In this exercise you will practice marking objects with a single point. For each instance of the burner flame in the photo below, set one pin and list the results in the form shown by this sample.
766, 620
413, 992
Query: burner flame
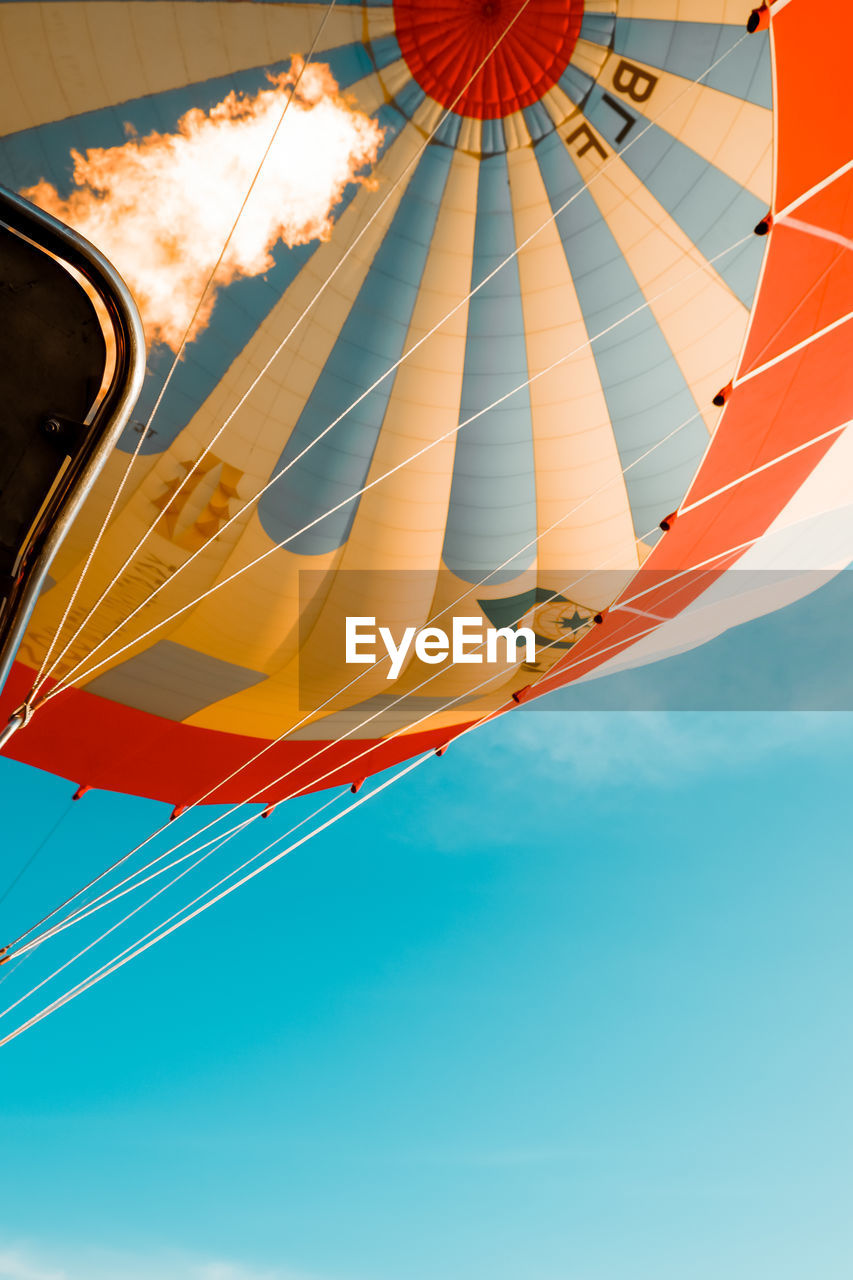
161, 207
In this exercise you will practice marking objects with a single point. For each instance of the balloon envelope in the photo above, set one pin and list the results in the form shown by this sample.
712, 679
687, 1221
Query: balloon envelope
490, 345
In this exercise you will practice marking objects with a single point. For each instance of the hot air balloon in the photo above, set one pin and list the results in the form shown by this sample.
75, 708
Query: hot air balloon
538, 313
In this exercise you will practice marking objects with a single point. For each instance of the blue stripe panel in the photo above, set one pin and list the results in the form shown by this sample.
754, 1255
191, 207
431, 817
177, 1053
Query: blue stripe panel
598, 28
688, 49
371, 340
646, 394
409, 98
385, 50
348, 63
576, 84
449, 129
493, 495
539, 123
173, 681
44, 152
492, 138
709, 206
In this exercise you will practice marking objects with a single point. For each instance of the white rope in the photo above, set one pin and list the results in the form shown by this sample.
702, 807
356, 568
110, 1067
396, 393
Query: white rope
518, 249
361, 675
44, 674
453, 431
790, 351
266, 367
132, 882
828, 181
153, 936
76, 917
212, 888
270, 745
137, 949
149, 940
82, 913
414, 764
803, 299
749, 475
140, 907
721, 555
704, 568
812, 229
622, 643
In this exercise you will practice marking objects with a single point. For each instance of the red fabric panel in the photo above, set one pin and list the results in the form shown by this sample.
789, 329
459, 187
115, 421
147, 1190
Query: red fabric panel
808, 281
779, 409
103, 744
812, 44
796, 400
445, 41
658, 593
807, 284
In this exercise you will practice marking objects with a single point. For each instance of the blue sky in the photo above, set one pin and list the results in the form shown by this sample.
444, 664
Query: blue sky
571, 1003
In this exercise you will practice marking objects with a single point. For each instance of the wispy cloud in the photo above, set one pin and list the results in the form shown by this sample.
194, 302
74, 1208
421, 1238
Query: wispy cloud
27, 1261
664, 749
16, 1264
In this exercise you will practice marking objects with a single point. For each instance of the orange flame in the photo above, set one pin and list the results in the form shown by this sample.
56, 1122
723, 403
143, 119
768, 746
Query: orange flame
161, 207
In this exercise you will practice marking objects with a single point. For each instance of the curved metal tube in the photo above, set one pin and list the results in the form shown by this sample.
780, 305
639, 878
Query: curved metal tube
111, 415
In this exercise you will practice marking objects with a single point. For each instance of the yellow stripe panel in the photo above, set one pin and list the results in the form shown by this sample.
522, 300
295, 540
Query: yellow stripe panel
395, 77
573, 439
559, 105
61, 59
516, 131
378, 22
470, 135
735, 12
589, 57
249, 622
733, 135
260, 430
702, 320
399, 524
428, 114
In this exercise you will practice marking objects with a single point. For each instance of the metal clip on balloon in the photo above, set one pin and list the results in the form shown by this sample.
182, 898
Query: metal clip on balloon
16, 721
759, 19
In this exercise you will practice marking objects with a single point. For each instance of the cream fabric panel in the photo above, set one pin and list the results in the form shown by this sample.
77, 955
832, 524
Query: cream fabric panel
734, 135
61, 59
573, 439
702, 320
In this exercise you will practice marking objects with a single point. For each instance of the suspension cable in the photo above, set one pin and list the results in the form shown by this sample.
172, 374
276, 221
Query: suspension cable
519, 248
